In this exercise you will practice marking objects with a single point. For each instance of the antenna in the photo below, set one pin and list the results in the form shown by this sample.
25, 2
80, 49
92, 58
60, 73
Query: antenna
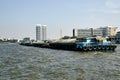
60, 33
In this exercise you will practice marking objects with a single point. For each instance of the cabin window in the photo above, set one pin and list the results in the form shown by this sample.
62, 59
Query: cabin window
94, 40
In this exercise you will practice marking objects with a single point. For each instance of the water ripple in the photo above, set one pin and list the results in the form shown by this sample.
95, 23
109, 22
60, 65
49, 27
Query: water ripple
30, 63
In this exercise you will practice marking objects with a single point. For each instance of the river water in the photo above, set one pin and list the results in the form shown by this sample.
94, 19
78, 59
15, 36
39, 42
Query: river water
19, 62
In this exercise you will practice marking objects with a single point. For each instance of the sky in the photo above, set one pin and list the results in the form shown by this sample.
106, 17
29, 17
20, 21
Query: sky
18, 18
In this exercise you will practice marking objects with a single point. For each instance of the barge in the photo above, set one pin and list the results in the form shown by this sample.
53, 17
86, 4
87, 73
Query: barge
79, 44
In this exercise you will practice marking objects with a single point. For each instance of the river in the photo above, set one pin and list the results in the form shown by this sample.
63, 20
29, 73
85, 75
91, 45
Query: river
19, 62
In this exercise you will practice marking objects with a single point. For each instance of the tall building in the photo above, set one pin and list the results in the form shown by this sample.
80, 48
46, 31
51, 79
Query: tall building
38, 32
41, 32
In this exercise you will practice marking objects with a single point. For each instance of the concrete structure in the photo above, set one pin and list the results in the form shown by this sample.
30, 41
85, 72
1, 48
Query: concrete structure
38, 32
105, 31
118, 34
117, 37
41, 32
102, 31
87, 32
108, 30
82, 33
112, 30
97, 32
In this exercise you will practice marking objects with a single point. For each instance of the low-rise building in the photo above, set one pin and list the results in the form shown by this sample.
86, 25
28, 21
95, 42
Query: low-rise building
87, 32
102, 31
118, 37
108, 30
97, 32
118, 34
82, 32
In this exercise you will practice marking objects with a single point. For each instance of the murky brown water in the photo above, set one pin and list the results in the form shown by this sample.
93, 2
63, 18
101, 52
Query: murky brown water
30, 63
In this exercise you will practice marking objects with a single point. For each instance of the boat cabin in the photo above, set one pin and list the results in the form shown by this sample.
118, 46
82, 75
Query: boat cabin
91, 41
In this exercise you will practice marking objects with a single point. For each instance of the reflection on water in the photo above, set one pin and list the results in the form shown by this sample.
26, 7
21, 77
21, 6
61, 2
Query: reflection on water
30, 63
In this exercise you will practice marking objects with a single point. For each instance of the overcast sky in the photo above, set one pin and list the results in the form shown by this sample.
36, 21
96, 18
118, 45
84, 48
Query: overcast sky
18, 18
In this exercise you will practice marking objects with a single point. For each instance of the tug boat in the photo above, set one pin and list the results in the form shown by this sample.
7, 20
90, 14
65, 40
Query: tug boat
94, 43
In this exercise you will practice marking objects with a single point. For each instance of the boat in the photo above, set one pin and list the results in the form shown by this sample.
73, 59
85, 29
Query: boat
77, 44
85, 44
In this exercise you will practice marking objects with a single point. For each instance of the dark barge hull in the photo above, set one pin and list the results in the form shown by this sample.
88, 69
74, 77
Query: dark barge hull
41, 45
72, 46
98, 48
63, 46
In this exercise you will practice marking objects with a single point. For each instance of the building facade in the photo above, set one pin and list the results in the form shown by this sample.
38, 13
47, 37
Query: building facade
118, 34
112, 30
41, 32
97, 32
116, 38
87, 32
82, 33
38, 32
108, 30
102, 31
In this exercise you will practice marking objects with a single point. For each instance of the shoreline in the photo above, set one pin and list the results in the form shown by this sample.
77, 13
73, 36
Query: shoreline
5, 42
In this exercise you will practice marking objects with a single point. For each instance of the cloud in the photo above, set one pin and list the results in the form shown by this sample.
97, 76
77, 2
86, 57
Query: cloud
92, 17
115, 11
108, 7
112, 6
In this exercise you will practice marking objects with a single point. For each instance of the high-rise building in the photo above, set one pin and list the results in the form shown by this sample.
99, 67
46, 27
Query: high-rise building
38, 32
41, 32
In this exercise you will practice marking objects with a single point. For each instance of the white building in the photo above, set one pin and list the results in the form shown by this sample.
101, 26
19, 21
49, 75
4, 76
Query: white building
40, 32
108, 30
97, 32
43, 32
102, 31
82, 32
